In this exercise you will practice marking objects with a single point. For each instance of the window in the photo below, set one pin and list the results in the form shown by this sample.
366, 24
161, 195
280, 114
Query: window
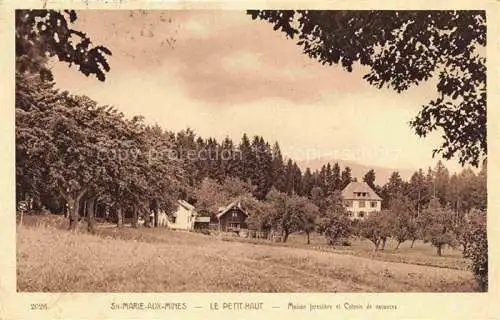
348, 203
373, 204
361, 203
361, 214
234, 214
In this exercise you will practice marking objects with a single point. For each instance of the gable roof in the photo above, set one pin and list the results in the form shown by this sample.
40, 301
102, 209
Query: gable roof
354, 187
186, 205
232, 205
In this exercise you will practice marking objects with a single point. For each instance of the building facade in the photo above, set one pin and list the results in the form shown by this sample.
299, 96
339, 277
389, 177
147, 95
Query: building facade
232, 217
360, 200
186, 218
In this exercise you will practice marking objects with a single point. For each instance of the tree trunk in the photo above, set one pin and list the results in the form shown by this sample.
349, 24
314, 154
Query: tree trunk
308, 238
21, 214
412, 242
134, 216
397, 247
75, 210
119, 217
439, 250
270, 234
465, 248
84, 209
73, 213
384, 239
66, 209
91, 204
147, 220
155, 217
285, 237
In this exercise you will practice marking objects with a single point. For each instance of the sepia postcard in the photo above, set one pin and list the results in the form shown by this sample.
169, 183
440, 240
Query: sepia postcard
208, 160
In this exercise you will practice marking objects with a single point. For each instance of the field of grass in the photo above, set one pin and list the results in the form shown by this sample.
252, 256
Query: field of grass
421, 253
160, 260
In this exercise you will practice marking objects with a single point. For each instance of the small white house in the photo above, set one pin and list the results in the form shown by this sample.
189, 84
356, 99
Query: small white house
185, 217
360, 200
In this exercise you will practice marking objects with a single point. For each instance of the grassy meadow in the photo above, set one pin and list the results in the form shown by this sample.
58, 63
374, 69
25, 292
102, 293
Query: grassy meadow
52, 259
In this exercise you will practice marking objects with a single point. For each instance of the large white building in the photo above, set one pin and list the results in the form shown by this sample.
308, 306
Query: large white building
360, 200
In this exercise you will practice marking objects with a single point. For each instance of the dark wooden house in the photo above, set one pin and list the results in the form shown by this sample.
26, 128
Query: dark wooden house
232, 217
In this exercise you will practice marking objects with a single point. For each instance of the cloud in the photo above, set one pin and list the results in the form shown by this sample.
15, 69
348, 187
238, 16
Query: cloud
248, 61
227, 74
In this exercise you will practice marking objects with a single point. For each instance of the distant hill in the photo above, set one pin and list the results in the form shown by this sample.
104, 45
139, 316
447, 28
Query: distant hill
382, 174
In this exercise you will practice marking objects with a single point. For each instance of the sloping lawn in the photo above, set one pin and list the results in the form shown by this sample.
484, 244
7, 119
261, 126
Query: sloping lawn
159, 260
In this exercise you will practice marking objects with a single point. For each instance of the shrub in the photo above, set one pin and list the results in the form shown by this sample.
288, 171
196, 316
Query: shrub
335, 226
477, 250
437, 226
375, 228
203, 231
345, 243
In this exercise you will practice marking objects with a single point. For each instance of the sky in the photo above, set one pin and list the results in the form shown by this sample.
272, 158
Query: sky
221, 74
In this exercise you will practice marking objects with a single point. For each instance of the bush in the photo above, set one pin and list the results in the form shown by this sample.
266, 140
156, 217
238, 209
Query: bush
346, 243
375, 228
477, 251
203, 231
335, 227
437, 225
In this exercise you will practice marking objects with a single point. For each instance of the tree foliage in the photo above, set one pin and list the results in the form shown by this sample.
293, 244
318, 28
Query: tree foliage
403, 49
402, 220
369, 178
477, 250
334, 222
211, 195
375, 228
41, 34
438, 226
71, 148
292, 213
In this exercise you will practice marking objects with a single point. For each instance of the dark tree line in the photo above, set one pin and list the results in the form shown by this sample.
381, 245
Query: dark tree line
257, 162
72, 155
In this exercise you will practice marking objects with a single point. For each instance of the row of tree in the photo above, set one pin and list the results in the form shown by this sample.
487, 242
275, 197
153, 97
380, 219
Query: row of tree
70, 153
254, 161
461, 191
69, 148
403, 219
284, 214
73, 155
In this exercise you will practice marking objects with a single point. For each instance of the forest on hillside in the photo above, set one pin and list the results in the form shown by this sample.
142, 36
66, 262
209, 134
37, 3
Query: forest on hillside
69, 144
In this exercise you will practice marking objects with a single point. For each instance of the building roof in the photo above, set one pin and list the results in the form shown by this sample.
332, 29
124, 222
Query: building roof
232, 205
349, 192
186, 205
